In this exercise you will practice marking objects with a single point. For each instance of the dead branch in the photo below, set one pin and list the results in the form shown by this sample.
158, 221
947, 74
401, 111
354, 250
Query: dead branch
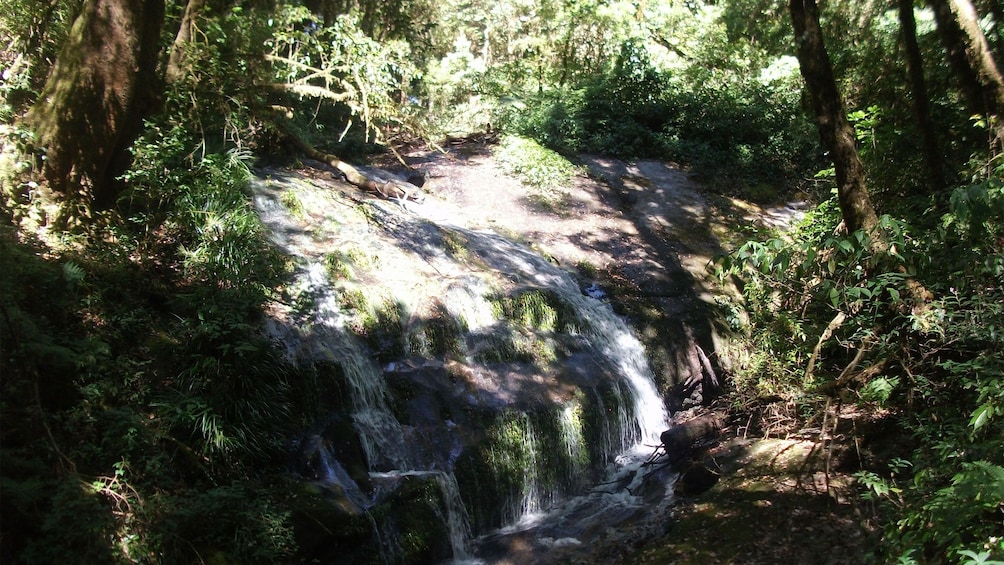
385, 188
835, 323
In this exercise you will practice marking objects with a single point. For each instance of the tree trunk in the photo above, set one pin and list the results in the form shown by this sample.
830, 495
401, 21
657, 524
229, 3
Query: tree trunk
997, 12
980, 56
679, 440
953, 40
838, 136
94, 101
388, 188
921, 104
176, 61
836, 132
971, 58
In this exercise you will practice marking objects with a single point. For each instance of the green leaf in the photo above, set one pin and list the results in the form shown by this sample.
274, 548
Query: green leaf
981, 416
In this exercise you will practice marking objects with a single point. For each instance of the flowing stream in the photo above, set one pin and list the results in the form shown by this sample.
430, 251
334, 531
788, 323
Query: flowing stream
531, 422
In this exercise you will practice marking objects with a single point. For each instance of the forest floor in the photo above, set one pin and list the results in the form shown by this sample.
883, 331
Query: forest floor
779, 499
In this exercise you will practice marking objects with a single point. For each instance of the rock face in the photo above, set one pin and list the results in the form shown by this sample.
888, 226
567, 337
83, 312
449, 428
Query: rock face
459, 374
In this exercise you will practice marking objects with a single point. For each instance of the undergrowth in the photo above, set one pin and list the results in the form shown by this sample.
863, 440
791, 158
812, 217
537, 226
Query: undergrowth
140, 403
829, 318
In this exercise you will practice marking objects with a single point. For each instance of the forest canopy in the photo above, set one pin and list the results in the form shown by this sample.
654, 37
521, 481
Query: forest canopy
137, 399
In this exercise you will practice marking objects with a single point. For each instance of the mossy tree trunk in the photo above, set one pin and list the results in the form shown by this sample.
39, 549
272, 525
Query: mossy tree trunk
831, 118
102, 86
971, 59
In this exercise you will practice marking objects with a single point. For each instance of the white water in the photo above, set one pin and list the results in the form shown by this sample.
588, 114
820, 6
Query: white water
379, 431
621, 351
630, 434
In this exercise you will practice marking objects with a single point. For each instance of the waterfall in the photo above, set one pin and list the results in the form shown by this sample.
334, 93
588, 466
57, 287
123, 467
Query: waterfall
512, 441
326, 339
570, 424
456, 515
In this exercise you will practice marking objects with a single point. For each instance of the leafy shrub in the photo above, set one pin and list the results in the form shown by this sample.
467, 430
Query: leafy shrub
736, 133
546, 173
833, 318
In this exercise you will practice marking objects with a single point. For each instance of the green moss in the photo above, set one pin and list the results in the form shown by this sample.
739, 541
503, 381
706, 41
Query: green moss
537, 310
415, 515
531, 327
383, 331
344, 263
292, 202
352, 299
455, 244
438, 336
338, 266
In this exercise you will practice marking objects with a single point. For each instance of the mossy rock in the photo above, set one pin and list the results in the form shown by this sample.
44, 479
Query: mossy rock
330, 528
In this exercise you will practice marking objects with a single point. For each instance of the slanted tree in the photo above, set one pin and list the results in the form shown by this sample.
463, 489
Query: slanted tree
839, 138
835, 130
971, 58
102, 85
176, 64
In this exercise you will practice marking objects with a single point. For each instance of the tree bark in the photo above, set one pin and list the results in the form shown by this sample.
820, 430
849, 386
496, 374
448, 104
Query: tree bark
971, 58
679, 440
933, 158
92, 106
176, 61
953, 40
831, 118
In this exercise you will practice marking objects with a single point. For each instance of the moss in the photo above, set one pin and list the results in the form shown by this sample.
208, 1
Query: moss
338, 266
455, 244
438, 336
533, 323
415, 516
292, 202
587, 269
344, 263
383, 331
353, 300
524, 457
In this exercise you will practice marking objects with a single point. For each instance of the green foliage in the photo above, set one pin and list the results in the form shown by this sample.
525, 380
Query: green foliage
547, 174
735, 132
31, 34
226, 524
219, 94
339, 64
156, 378
832, 300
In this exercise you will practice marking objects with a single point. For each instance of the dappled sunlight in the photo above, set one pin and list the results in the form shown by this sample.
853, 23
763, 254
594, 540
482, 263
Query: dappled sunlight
461, 351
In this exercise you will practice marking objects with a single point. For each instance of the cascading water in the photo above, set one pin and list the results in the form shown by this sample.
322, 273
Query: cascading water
499, 431
327, 339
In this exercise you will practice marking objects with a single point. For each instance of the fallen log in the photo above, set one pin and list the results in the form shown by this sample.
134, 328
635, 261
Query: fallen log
680, 441
391, 189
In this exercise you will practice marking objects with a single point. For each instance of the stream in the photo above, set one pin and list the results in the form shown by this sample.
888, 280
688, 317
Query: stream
482, 405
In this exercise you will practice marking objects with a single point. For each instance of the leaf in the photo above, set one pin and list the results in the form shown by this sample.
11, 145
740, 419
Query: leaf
981, 416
